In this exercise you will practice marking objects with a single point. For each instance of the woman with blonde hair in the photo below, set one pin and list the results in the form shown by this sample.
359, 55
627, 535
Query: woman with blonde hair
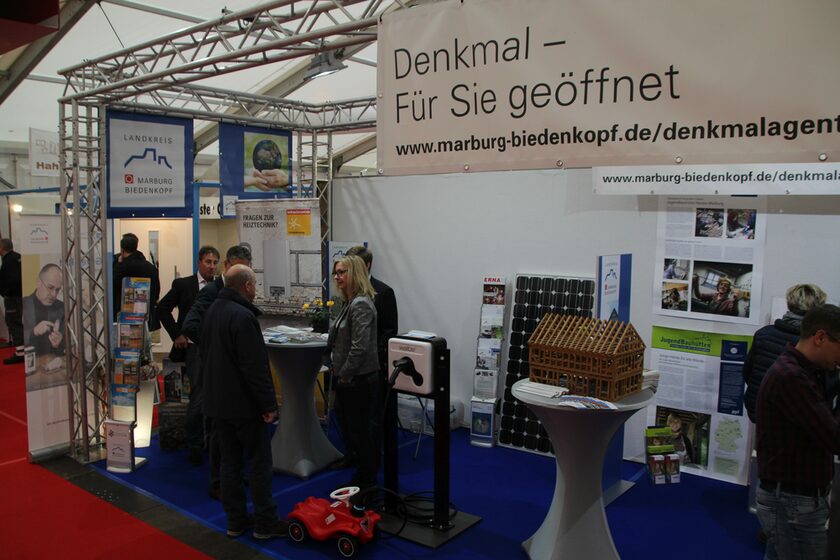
770, 341
355, 362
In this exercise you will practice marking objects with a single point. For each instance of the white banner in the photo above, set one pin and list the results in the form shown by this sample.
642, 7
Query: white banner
43, 153
765, 178
495, 84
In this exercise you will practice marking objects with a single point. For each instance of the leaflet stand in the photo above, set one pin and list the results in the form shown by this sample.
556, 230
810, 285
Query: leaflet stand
421, 367
120, 447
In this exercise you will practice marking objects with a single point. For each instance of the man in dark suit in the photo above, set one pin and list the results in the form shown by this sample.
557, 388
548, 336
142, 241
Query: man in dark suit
131, 263
191, 328
386, 328
182, 295
12, 292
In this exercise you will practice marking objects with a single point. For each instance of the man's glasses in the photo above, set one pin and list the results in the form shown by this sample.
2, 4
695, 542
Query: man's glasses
339, 272
831, 337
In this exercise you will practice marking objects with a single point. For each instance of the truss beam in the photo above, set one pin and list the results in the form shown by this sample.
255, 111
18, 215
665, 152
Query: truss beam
262, 35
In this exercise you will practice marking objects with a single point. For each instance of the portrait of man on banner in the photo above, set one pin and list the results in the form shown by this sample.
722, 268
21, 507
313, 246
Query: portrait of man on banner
44, 329
255, 162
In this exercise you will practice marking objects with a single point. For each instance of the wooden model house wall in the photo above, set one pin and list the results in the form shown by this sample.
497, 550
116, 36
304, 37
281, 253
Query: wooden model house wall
602, 359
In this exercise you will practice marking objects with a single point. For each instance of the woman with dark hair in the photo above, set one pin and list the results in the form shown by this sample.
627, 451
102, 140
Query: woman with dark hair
355, 361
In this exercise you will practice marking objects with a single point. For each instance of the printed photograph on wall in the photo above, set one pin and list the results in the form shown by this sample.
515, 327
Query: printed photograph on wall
689, 433
708, 222
721, 288
740, 223
675, 269
675, 296
255, 162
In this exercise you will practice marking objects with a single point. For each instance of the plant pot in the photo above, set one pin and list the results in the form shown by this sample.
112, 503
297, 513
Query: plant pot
321, 325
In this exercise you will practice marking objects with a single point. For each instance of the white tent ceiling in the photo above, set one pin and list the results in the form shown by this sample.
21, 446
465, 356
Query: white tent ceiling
111, 25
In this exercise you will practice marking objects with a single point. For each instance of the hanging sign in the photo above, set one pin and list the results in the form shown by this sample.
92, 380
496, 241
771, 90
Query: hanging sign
150, 169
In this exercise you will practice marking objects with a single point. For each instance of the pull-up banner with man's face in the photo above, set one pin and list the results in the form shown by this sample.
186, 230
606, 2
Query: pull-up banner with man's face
496, 85
44, 331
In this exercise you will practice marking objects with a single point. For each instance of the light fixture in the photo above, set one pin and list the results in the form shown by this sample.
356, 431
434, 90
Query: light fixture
17, 208
322, 64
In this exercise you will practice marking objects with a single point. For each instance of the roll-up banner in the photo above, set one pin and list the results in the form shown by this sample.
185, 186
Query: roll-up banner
44, 335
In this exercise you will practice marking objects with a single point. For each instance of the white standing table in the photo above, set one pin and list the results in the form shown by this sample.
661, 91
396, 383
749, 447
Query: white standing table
299, 446
576, 526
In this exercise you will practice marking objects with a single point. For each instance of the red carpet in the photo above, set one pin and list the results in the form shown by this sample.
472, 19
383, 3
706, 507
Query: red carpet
43, 515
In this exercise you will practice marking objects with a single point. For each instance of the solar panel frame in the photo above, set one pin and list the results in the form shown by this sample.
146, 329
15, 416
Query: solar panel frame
534, 296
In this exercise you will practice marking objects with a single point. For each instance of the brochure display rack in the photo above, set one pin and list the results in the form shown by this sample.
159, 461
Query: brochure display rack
488, 361
133, 380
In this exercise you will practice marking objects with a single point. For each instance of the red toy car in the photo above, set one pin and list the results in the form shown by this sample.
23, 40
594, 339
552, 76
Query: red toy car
321, 519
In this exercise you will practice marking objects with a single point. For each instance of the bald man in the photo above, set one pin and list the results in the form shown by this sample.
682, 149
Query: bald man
239, 397
43, 313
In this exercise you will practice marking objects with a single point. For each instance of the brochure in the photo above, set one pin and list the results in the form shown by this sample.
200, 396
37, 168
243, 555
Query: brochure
123, 395
126, 366
135, 295
492, 321
130, 330
485, 383
488, 353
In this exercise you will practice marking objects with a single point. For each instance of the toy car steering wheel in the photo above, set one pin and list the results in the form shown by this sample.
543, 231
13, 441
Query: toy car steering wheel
344, 494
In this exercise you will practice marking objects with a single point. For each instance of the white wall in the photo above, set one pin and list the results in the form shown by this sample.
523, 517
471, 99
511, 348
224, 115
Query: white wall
435, 236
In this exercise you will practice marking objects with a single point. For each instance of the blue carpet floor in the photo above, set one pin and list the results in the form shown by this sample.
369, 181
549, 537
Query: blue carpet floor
510, 490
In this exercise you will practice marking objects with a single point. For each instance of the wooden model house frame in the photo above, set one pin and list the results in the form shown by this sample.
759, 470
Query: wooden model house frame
591, 357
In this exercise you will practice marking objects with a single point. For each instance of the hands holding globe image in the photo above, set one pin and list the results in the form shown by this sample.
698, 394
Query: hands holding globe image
270, 171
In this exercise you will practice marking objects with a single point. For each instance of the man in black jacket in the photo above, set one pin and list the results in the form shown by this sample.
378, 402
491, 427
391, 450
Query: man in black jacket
182, 295
239, 396
191, 329
12, 292
131, 263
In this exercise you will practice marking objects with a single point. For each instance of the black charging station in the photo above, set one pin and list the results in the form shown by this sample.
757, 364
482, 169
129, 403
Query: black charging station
420, 366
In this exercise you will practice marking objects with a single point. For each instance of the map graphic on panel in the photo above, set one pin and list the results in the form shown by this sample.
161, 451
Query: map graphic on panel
534, 296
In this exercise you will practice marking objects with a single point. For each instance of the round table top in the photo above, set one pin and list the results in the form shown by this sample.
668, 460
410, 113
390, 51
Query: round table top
630, 402
297, 344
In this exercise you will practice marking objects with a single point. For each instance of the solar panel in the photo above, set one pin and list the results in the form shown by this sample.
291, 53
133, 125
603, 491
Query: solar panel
534, 296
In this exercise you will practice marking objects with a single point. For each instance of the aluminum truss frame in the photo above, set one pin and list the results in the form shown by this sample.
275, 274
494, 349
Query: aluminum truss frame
156, 77
83, 247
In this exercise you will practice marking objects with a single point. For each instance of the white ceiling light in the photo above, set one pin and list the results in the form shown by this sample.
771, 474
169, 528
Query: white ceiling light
17, 208
323, 64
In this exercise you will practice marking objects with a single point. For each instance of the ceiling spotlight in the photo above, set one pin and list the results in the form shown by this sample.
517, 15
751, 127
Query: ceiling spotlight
323, 64
17, 208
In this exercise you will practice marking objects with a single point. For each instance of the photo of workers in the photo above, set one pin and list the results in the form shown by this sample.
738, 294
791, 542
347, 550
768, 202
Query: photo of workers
675, 296
740, 223
721, 288
689, 434
708, 222
675, 269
